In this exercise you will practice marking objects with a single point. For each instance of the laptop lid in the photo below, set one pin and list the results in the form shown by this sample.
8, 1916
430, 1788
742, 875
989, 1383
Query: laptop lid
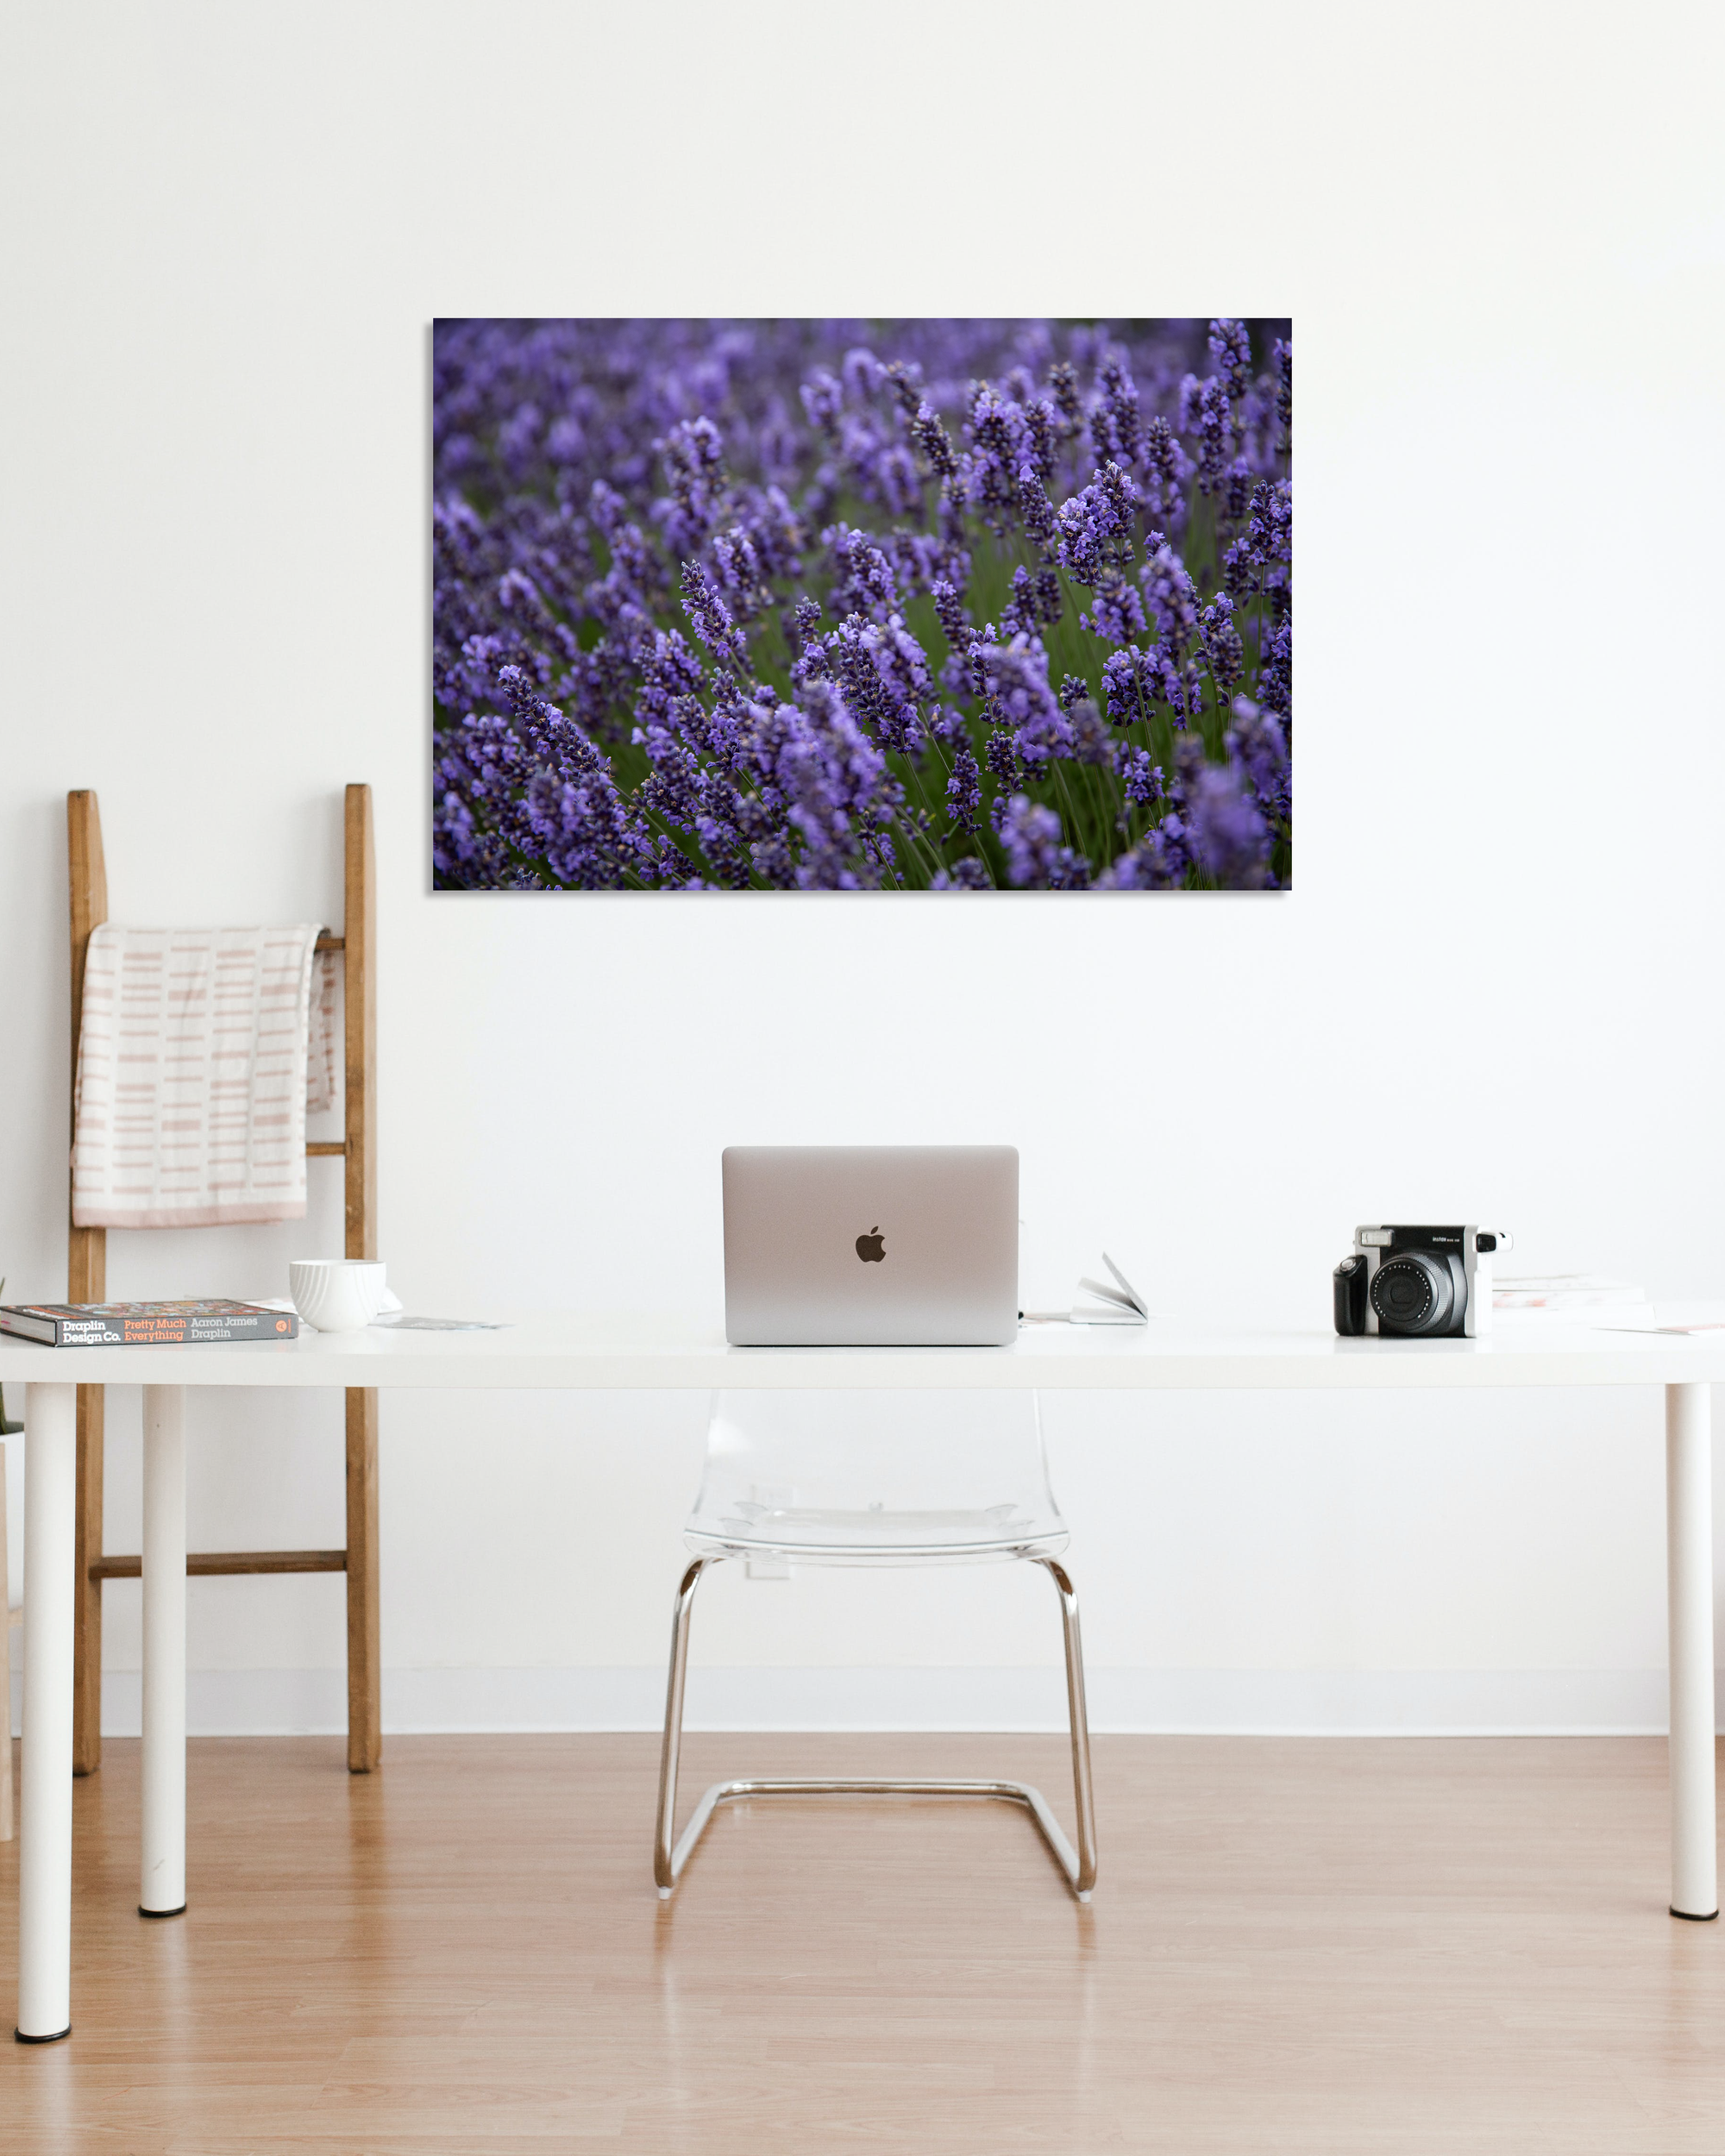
871, 1246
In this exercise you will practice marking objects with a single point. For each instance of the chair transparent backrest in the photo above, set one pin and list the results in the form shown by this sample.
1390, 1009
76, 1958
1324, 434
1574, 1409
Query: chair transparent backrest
876, 1476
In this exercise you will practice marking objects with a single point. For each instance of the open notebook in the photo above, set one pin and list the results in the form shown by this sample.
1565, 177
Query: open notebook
1118, 1305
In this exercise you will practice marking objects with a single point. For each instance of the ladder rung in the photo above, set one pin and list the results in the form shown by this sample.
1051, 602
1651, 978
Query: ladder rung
323, 1148
331, 943
230, 1561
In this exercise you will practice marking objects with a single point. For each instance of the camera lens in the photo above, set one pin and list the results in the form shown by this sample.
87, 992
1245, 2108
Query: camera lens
1413, 1293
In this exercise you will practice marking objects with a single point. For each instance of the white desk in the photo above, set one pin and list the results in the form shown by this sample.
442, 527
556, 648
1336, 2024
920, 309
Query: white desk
660, 1355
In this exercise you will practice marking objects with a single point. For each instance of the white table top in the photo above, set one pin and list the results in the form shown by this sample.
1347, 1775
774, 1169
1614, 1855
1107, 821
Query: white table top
633, 1351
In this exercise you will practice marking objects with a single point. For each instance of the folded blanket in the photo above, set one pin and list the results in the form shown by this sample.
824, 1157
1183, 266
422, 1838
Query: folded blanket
190, 1093
320, 1047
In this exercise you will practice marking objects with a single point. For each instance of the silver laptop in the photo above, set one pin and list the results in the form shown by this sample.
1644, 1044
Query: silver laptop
871, 1246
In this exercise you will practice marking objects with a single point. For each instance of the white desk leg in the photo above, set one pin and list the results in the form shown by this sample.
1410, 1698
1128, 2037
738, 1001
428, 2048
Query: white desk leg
1689, 1581
162, 1892
45, 1838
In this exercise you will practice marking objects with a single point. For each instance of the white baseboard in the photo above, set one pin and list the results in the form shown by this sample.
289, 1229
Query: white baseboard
1358, 1703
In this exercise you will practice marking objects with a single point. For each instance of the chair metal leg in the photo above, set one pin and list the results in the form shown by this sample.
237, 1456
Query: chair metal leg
1079, 1722
1079, 1866
665, 1865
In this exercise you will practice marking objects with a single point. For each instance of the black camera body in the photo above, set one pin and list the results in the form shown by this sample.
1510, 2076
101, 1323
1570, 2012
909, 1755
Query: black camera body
1418, 1283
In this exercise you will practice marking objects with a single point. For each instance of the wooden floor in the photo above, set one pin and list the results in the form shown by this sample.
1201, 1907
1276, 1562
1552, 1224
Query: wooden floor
1325, 1946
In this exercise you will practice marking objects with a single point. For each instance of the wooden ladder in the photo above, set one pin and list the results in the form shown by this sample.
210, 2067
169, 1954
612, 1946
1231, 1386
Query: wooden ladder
87, 1282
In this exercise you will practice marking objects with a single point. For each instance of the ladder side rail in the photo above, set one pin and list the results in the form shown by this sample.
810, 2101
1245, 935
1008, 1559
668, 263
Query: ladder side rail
86, 1282
358, 937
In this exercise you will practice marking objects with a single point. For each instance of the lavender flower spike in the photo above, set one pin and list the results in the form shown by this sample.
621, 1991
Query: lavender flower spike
1036, 860
1231, 349
711, 620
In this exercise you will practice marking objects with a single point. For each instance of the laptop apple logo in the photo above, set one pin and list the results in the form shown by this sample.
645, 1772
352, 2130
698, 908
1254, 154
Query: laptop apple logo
871, 1248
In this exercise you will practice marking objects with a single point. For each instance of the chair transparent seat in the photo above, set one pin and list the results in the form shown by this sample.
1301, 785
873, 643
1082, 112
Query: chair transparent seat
914, 1478
876, 1478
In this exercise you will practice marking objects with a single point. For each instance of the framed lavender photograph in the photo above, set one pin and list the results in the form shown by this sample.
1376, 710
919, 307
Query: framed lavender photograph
925, 605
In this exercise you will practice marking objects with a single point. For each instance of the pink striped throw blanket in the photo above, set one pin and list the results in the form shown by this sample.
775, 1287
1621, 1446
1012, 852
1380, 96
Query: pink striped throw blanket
192, 1076
320, 1047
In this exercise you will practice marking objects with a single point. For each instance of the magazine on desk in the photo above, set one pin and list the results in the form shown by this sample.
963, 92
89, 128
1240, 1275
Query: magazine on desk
144, 1324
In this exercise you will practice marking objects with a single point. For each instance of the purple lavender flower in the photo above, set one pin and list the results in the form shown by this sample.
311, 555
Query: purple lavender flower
1158, 862
831, 779
932, 438
1018, 616
968, 874
1001, 754
1140, 778
824, 400
1272, 522
807, 614
1165, 471
694, 456
903, 377
1091, 741
1255, 736
1229, 837
863, 372
864, 582
1000, 447
1240, 565
1036, 860
1095, 527
1223, 650
569, 813
949, 609
1041, 431
964, 789
1116, 425
1116, 612
739, 573
1172, 598
1035, 507
880, 466
671, 673
884, 670
1204, 411
711, 619
1014, 683
1231, 349
1275, 677
1125, 688
775, 529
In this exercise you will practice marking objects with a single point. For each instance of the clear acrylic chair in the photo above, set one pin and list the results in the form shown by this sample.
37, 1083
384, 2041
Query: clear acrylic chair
881, 1479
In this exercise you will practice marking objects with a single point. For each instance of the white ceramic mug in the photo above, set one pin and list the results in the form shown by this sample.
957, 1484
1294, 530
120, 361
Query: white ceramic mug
337, 1294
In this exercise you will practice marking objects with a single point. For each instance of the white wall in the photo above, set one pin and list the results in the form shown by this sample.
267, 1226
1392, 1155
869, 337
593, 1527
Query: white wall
1491, 993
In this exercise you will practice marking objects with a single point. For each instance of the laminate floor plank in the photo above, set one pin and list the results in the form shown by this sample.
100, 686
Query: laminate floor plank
1445, 1948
